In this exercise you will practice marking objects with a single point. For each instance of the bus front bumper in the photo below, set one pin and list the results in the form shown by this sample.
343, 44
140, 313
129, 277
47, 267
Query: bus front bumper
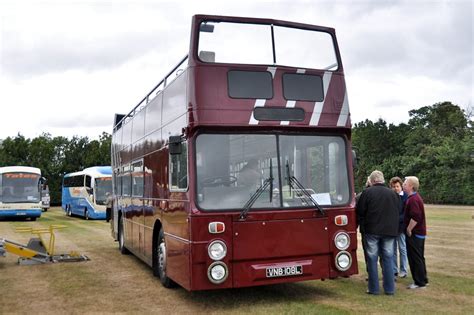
20, 213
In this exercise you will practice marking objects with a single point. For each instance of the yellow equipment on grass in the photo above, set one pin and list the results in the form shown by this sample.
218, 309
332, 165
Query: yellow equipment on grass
38, 251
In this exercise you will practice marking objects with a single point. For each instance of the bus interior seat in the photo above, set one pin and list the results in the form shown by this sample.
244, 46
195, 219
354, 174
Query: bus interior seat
207, 56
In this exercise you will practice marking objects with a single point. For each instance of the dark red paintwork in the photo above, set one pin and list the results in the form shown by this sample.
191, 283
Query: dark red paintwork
198, 100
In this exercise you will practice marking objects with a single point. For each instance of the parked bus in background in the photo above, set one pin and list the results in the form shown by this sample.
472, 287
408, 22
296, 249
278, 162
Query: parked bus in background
20, 188
45, 198
85, 193
236, 169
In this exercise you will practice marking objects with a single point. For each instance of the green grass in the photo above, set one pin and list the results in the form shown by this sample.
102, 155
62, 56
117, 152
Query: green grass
111, 282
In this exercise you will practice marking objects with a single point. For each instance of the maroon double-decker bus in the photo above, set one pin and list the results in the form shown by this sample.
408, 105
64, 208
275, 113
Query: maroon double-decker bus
236, 169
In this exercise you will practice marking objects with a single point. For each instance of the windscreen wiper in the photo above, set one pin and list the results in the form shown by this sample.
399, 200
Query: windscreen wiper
293, 182
267, 182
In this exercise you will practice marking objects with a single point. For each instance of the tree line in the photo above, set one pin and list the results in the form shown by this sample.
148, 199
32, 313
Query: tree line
55, 156
436, 145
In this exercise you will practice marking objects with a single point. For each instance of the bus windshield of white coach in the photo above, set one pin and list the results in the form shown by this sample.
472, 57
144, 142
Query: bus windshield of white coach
19, 187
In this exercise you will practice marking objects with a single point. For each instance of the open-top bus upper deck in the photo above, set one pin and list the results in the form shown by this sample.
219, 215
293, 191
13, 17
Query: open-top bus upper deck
257, 71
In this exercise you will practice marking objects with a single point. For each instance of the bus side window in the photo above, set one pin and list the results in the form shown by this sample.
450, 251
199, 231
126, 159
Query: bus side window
88, 184
88, 181
117, 190
126, 189
119, 186
179, 169
137, 179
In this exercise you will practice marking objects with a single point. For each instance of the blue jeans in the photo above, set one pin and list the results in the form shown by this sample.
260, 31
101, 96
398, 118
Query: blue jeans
402, 248
375, 246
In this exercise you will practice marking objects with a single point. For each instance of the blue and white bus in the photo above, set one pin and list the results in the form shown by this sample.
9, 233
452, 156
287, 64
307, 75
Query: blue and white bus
20, 188
85, 193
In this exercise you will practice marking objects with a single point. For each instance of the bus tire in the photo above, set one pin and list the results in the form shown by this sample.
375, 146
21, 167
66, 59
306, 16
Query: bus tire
68, 211
121, 238
159, 265
86, 214
33, 218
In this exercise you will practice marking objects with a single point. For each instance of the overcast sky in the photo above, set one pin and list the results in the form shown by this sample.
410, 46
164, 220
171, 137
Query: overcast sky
67, 66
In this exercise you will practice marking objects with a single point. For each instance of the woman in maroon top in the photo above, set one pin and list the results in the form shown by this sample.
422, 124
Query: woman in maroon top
415, 233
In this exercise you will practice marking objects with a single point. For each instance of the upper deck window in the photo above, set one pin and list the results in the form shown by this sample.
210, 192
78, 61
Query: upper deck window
236, 43
250, 84
242, 43
303, 87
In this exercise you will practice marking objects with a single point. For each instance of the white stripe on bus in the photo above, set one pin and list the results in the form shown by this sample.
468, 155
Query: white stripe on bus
261, 102
341, 122
318, 106
291, 104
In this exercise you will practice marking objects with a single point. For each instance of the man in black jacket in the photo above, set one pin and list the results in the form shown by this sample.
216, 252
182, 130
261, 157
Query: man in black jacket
377, 216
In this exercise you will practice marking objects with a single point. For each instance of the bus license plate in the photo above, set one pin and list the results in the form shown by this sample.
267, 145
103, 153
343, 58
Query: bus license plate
284, 271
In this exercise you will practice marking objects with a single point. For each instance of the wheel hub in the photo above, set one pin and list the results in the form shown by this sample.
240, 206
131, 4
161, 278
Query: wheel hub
162, 257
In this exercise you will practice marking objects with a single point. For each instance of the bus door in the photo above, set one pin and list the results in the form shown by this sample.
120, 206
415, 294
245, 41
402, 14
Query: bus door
138, 228
89, 195
126, 206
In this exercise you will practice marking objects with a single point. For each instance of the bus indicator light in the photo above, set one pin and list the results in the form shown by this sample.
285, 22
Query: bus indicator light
340, 220
216, 227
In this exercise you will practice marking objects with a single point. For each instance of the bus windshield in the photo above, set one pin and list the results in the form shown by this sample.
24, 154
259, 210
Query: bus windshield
103, 185
19, 187
244, 43
236, 165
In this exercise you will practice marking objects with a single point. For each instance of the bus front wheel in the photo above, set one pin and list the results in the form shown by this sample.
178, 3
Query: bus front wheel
160, 261
68, 211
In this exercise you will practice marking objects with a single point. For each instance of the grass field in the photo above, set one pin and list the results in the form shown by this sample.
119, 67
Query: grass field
111, 282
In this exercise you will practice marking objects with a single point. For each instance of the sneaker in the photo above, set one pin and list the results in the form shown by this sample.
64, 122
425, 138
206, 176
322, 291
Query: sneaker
402, 275
414, 286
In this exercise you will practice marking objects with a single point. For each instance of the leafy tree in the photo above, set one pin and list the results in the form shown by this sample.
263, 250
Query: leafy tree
15, 151
437, 145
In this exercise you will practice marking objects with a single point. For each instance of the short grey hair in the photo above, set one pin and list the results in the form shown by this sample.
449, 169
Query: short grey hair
413, 180
376, 177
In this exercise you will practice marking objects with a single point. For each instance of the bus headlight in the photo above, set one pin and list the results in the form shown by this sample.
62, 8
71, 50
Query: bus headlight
217, 272
343, 261
342, 241
217, 250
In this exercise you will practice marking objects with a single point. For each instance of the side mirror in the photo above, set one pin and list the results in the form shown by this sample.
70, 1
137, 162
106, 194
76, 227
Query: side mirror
175, 145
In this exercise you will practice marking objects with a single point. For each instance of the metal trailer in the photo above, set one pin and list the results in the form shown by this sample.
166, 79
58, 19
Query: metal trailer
37, 251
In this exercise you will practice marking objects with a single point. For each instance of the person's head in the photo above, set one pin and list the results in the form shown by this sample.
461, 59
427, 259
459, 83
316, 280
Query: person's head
411, 184
376, 177
396, 184
367, 183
